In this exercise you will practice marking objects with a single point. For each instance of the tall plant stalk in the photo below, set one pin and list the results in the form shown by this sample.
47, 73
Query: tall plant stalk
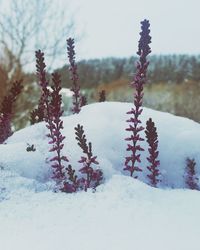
132, 162
77, 98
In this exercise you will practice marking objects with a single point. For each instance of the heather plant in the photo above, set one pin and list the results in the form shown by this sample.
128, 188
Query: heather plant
55, 126
152, 139
191, 179
93, 176
6, 111
132, 162
78, 99
42, 113
51, 112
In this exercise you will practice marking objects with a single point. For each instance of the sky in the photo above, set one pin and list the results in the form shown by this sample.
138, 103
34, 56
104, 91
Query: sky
111, 27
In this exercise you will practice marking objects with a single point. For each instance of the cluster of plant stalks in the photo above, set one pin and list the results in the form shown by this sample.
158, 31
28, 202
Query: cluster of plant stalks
133, 161
50, 111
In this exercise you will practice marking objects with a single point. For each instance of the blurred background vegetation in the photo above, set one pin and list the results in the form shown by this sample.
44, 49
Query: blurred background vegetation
173, 80
173, 84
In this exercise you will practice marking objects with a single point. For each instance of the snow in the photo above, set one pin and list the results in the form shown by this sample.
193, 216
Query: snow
66, 92
123, 213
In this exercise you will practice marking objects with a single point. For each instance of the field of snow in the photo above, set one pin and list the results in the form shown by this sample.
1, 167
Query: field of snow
123, 213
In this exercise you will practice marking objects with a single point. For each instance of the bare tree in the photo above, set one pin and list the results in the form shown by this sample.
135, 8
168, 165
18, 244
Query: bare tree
28, 25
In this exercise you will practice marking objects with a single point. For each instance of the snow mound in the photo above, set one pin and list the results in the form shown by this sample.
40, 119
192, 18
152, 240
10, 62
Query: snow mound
105, 125
122, 214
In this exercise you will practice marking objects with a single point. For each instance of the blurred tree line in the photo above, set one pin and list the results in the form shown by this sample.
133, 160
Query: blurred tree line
26, 26
182, 72
162, 68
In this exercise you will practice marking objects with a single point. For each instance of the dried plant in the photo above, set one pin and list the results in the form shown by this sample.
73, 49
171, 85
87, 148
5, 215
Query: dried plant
152, 139
6, 111
132, 162
191, 179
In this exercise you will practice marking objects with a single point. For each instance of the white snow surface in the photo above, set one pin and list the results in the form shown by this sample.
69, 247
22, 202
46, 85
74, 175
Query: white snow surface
123, 213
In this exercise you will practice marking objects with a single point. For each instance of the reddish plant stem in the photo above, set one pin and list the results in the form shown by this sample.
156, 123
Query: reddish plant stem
134, 122
77, 98
43, 82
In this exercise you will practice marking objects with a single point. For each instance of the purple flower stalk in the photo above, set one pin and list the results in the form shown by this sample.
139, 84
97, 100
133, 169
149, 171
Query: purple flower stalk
77, 98
132, 162
43, 109
190, 177
152, 139
50, 106
7, 109
55, 126
93, 177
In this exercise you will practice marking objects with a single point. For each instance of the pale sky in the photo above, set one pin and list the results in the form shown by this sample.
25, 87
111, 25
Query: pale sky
111, 27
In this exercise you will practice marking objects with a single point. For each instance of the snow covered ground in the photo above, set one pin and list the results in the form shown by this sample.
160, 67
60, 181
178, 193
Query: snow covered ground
123, 213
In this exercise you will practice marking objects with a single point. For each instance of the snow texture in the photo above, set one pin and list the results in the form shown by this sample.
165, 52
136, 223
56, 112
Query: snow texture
123, 213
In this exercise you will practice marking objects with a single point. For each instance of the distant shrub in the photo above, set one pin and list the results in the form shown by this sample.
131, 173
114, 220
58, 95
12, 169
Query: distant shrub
102, 96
